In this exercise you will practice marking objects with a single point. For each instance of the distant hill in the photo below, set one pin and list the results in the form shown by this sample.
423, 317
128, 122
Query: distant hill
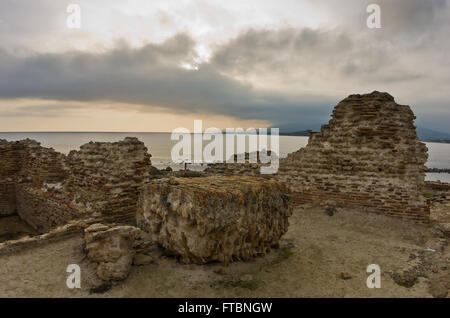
424, 134
296, 133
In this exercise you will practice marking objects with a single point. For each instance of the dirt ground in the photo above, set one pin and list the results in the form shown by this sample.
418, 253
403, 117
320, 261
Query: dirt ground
320, 256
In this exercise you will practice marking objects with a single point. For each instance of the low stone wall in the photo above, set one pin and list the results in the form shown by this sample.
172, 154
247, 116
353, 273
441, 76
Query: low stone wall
215, 218
43, 210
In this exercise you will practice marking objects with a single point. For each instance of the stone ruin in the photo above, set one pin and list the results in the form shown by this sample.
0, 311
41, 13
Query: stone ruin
48, 189
215, 218
106, 178
102, 189
367, 157
113, 248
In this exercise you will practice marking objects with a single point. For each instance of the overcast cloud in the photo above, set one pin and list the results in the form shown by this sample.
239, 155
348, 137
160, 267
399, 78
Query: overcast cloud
272, 68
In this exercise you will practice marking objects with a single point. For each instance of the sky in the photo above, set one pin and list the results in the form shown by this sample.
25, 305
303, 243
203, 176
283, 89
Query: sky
157, 65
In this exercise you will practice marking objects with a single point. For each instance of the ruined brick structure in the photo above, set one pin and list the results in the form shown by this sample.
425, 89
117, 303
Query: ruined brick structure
106, 177
47, 189
368, 157
26, 161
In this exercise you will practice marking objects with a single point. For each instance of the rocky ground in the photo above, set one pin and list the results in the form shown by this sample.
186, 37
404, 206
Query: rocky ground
322, 255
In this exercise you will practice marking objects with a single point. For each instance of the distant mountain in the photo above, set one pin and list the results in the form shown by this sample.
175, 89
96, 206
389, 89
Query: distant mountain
295, 133
426, 134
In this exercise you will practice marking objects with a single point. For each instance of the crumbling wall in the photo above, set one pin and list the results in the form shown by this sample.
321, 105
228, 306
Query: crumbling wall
106, 177
367, 157
25, 161
41, 164
214, 218
9, 166
43, 210
10, 158
47, 189
7, 198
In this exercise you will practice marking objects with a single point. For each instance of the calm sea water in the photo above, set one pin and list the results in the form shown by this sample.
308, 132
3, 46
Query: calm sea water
160, 145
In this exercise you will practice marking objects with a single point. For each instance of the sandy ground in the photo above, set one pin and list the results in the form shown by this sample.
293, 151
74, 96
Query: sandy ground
313, 255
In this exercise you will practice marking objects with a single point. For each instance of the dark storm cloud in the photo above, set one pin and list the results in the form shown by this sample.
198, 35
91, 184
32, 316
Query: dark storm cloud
150, 76
407, 57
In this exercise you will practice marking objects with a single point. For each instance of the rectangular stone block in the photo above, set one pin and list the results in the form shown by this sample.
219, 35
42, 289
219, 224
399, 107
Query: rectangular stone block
215, 218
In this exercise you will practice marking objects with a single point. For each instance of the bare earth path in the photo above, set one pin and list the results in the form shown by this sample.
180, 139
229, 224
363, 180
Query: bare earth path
313, 254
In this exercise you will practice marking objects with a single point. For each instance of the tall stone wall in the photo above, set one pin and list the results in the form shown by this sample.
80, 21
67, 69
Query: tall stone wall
107, 177
367, 157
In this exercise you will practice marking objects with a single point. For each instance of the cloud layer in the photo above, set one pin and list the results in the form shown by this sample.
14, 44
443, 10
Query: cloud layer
289, 75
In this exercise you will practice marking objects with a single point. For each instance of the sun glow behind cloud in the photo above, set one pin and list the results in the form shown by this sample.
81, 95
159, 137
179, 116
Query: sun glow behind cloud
276, 62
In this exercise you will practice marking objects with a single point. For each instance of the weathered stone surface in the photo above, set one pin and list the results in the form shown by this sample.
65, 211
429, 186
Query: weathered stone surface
43, 210
26, 161
113, 248
107, 177
214, 218
368, 157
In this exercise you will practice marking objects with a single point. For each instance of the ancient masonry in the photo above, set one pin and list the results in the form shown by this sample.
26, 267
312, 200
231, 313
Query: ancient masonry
215, 218
48, 189
106, 178
368, 157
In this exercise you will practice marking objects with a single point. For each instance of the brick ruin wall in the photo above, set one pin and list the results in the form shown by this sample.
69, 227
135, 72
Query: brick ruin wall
368, 157
106, 178
48, 189
26, 161
10, 166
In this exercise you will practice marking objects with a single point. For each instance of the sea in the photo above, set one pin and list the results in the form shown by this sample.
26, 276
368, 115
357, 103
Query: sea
160, 146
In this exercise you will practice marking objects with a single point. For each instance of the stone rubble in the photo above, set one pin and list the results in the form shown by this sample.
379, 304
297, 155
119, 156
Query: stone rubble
113, 247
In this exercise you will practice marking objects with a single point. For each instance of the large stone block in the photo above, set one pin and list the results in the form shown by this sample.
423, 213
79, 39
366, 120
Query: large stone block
214, 218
